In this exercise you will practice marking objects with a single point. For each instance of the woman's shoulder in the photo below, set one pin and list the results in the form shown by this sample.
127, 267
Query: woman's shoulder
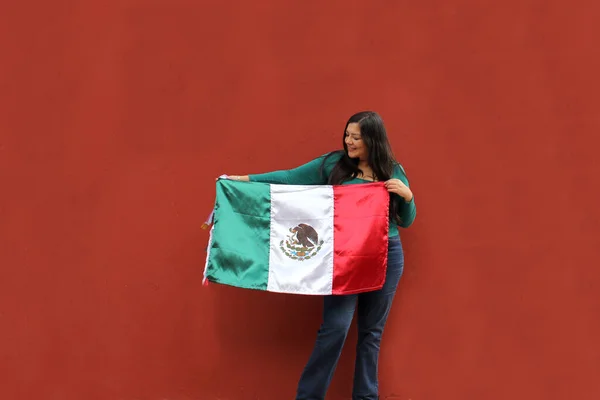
333, 155
398, 168
327, 162
330, 158
399, 172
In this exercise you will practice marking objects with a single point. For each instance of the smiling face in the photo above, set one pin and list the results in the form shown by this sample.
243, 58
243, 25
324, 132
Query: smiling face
354, 142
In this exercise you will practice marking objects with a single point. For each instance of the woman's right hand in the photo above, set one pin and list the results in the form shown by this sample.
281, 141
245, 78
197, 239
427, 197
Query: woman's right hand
244, 178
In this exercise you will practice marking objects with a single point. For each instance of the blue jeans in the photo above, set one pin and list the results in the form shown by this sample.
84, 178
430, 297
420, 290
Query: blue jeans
338, 311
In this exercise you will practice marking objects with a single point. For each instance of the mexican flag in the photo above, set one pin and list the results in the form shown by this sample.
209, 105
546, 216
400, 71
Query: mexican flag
310, 240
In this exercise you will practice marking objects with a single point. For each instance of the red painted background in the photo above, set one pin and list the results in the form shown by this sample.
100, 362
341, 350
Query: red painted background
117, 115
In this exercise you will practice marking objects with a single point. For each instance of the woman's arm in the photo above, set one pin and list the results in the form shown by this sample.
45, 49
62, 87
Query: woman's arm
307, 174
401, 193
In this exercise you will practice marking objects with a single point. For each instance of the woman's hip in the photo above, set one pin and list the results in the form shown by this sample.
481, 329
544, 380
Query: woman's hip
395, 265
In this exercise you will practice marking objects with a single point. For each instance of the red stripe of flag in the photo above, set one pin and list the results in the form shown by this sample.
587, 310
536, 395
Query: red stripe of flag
361, 227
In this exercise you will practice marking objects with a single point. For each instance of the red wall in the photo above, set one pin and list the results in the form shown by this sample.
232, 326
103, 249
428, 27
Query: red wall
117, 115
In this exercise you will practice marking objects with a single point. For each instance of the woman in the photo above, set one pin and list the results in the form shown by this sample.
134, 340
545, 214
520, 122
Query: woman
367, 157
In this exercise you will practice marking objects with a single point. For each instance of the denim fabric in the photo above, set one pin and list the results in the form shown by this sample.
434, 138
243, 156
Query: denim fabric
338, 311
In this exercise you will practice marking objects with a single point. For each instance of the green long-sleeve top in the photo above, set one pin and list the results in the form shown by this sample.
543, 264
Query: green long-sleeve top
311, 174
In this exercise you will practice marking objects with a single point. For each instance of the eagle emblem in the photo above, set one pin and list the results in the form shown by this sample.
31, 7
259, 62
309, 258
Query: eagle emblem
302, 243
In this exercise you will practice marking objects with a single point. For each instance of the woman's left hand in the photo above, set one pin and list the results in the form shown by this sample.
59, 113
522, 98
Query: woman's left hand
398, 187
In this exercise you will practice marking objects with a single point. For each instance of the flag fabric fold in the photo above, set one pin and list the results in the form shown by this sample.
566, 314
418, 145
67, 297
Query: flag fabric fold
310, 240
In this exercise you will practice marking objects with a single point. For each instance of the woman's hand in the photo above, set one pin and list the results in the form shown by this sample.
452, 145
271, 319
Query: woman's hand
244, 178
398, 187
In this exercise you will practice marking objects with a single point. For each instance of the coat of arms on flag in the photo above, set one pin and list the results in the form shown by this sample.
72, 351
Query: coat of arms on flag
302, 243
301, 239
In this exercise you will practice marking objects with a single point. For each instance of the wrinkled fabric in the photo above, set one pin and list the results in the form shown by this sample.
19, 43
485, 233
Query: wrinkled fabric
311, 240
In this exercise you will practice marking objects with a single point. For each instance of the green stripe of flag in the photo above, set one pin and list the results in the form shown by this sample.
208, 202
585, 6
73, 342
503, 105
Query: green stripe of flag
239, 248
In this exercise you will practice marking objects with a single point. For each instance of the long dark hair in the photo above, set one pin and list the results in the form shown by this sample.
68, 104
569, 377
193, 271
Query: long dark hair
380, 156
